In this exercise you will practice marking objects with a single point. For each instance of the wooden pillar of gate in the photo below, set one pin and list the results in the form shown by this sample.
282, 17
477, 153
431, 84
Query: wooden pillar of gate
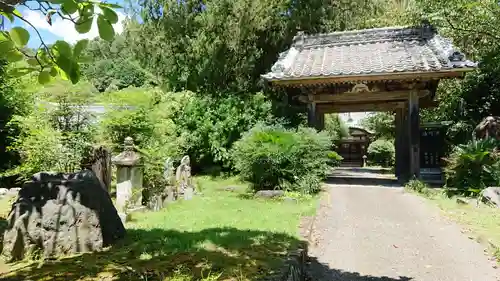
402, 145
414, 134
315, 118
398, 122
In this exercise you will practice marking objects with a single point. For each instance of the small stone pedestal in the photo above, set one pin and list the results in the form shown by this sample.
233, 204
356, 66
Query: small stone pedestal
129, 174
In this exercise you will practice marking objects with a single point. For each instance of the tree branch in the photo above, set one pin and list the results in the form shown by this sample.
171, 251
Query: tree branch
39, 36
469, 30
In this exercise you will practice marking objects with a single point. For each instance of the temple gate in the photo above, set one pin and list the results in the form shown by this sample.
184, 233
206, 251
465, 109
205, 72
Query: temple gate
394, 69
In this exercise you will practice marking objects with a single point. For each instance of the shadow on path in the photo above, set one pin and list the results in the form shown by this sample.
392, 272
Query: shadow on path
322, 272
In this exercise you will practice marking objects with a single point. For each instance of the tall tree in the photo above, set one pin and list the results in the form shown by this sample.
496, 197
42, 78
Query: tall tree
112, 65
474, 26
225, 45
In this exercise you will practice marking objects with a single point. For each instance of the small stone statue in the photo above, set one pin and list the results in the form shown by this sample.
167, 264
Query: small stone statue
168, 171
169, 176
489, 127
183, 175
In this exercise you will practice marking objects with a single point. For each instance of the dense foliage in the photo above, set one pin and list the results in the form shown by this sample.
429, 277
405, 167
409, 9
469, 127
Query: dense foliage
7, 110
53, 138
272, 157
381, 124
381, 152
210, 133
112, 66
474, 166
335, 127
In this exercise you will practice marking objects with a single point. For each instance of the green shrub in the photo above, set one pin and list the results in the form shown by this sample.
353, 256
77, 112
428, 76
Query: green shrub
473, 166
272, 157
418, 186
381, 152
334, 159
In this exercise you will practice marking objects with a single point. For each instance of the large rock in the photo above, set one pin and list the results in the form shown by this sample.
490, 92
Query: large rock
60, 214
491, 195
269, 193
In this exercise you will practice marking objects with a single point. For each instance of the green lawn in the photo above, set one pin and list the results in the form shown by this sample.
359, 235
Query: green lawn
219, 235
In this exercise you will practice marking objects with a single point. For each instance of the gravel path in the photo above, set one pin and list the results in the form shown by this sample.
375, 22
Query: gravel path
384, 234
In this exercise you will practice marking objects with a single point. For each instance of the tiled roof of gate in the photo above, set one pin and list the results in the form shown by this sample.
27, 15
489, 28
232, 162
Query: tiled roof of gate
367, 52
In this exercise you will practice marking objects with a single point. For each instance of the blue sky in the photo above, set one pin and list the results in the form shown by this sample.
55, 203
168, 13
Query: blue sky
60, 29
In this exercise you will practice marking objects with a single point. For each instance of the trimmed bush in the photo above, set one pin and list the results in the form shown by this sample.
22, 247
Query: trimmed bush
381, 152
272, 157
334, 158
473, 166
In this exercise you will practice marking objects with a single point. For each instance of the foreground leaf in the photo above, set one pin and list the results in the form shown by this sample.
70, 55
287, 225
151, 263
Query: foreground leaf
69, 7
53, 71
106, 30
87, 11
14, 56
44, 77
63, 48
83, 25
20, 71
19, 36
32, 62
110, 5
7, 15
109, 14
79, 48
5, 46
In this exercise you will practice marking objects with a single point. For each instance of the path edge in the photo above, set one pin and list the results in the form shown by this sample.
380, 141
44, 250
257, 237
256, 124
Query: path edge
296, 262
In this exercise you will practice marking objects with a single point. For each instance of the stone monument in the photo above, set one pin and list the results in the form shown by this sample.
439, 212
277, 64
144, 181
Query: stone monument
129, 175
61, 214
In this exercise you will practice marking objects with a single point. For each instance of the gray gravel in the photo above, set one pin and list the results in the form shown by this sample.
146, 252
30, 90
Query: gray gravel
384, 234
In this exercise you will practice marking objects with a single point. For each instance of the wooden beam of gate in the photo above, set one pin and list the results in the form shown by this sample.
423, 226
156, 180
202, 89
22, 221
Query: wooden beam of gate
362, 96
364, 107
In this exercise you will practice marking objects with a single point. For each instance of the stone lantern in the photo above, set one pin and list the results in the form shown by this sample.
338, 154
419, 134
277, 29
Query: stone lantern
129, 175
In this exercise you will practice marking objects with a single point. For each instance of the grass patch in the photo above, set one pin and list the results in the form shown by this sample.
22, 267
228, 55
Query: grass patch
482, 222
216, 236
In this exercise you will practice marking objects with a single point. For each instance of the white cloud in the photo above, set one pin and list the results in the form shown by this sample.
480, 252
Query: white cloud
65, 29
